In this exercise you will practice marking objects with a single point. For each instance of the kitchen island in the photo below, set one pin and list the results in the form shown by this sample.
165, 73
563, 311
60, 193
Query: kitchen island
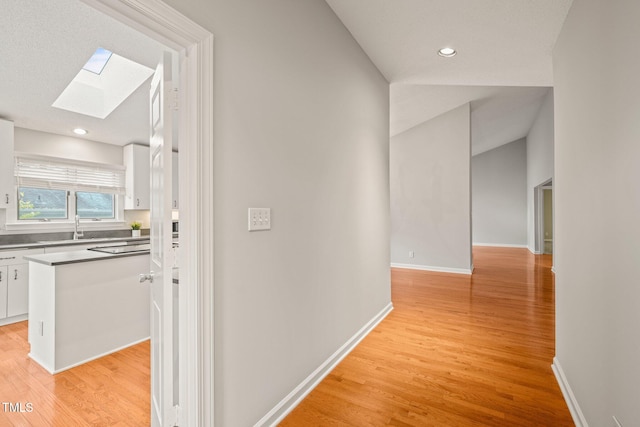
86, 304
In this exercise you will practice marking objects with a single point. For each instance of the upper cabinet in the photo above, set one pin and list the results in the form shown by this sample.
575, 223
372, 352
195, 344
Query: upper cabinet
136, 160
6, 164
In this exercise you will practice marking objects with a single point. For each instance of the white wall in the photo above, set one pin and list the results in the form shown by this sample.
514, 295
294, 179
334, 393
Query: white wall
597, 207
499, 195
540, 141
431, 192
301, 126
66, 147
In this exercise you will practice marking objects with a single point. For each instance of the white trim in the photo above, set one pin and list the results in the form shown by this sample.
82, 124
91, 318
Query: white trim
14, 319
82, 362
533, 251
615, 420
35, 226
468, 271
569, 397
286, 405
501, 245
195, 45
553, 269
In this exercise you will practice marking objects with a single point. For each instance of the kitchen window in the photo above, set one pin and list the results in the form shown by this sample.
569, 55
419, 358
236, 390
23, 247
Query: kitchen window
52, 190
41, 204
95, 205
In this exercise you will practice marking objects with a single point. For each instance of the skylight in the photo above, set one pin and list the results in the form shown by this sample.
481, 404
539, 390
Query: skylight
98, 60
102, 84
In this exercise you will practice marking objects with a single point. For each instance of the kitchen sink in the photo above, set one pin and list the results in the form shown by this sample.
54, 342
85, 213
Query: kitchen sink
123, 249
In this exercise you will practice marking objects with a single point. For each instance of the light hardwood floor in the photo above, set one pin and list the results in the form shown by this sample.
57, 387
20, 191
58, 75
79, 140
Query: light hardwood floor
110, 391
456, 351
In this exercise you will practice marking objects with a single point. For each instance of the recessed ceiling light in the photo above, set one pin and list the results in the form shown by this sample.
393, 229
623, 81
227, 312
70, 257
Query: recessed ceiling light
447, 52
80, 131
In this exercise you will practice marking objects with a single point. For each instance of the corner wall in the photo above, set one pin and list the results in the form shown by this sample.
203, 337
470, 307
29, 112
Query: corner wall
540, 142
301, 125
597, 206
431, 194
499, 195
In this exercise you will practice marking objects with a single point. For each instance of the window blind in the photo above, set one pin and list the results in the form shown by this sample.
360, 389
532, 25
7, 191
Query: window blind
65, 174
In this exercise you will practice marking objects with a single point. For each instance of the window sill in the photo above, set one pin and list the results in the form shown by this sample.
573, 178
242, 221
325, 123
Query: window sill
40, 226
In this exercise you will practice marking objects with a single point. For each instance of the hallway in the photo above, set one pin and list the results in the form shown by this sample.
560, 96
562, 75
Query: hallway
456, 351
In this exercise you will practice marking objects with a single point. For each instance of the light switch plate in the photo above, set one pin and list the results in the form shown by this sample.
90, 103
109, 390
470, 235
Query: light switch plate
259, 219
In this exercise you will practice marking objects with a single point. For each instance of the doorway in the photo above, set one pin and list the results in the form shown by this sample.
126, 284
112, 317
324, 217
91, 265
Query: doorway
195, 46
543, 198
547, 201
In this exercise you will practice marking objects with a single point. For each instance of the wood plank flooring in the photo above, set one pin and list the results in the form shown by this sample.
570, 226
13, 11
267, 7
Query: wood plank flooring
110, 391
456, 351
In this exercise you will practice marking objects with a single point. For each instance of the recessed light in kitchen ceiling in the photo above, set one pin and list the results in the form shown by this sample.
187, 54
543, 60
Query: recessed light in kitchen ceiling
104, 82
447, 52
80, 131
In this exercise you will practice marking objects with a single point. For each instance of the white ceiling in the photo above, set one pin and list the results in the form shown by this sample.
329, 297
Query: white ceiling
503, 67
44, 44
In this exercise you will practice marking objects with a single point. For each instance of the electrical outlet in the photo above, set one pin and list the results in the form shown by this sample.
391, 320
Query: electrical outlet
411, 254
259, 219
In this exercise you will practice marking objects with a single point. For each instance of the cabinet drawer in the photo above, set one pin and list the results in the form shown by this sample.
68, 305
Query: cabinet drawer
12, 257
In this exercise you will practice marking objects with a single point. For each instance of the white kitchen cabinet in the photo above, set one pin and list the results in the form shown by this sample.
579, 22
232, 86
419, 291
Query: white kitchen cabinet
174, 176
14, 284
4, 286
136, 160
6, 164
18, 290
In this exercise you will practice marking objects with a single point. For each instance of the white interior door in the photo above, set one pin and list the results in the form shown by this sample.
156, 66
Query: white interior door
164, 383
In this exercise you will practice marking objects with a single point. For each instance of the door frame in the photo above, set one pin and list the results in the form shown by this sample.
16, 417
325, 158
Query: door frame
195, 45
539, 214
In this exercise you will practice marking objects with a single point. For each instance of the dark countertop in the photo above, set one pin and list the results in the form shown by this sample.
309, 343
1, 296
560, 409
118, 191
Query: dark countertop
71, 243
72, 257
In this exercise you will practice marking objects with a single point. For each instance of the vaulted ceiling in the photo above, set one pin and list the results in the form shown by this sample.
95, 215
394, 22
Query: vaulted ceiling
503, 66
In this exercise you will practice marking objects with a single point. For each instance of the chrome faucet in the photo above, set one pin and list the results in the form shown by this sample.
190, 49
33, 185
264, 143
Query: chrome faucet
77, 234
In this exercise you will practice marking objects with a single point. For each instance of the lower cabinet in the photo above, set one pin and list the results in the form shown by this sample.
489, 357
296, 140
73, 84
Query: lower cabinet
14, 290
14, 285
4, 286
18, 290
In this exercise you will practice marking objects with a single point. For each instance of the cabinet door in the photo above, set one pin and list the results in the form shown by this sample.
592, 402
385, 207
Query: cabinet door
3, 291
18, 290
6, 164
136, 160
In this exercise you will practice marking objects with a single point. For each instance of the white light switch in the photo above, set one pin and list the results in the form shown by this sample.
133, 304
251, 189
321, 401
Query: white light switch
259, 219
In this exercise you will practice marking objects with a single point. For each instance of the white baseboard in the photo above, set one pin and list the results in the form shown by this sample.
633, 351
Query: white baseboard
14, 319
435, 269
569, 397
533, 251
501, 245
53, 371
286, 405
